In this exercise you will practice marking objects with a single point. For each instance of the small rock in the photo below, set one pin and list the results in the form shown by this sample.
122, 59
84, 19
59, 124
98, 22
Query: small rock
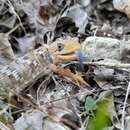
30, 121
97, 48
103, 73
36, 121
127, 125
106, 49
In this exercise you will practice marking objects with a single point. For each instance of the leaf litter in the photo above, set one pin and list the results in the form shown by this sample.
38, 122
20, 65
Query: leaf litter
88, 45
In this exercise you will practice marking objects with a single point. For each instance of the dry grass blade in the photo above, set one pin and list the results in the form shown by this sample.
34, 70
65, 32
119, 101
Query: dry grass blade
15, 13
124, 107
3, 126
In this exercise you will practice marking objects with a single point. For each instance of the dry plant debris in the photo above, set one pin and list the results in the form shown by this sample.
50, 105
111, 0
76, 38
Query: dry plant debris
64, 64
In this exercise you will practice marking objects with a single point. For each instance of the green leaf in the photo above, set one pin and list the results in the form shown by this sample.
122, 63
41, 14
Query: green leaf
100, 121
90, 104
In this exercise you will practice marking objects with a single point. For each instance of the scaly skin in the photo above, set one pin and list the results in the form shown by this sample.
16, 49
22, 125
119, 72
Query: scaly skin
27, 69
67, 53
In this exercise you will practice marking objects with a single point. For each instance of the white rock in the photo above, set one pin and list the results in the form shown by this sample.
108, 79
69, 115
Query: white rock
107, 49
97, 48
30, 121
37, 120
85, 3
123, 6
127, 125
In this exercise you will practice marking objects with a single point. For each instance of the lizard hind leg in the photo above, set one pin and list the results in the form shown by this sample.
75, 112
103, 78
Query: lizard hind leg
67, 72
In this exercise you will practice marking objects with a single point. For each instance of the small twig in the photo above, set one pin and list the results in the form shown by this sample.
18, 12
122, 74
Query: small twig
122, 103
123, 111
19, 111
38, 90
111, 65
35, 106
12, 30
60, 14
3, 126
72, 96
69, 123
94, 49
13, 10
74, 108
4, 110
86, 122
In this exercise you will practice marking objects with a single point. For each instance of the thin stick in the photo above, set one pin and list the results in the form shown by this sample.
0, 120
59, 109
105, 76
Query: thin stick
38, 90
123, 111
94, 49
112, 65
13, 10
3, 126
12, 30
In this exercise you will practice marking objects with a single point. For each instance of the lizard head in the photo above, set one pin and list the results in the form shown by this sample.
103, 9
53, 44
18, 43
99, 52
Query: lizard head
65, 46
64, 49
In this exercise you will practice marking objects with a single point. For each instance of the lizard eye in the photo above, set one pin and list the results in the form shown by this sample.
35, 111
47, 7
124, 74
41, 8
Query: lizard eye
60, 46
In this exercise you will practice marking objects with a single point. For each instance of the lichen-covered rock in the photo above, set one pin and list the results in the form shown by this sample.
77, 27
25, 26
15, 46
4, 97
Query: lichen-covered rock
123, 6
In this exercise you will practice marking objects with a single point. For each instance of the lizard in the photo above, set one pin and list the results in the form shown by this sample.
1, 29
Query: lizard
23, 71
69, 50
